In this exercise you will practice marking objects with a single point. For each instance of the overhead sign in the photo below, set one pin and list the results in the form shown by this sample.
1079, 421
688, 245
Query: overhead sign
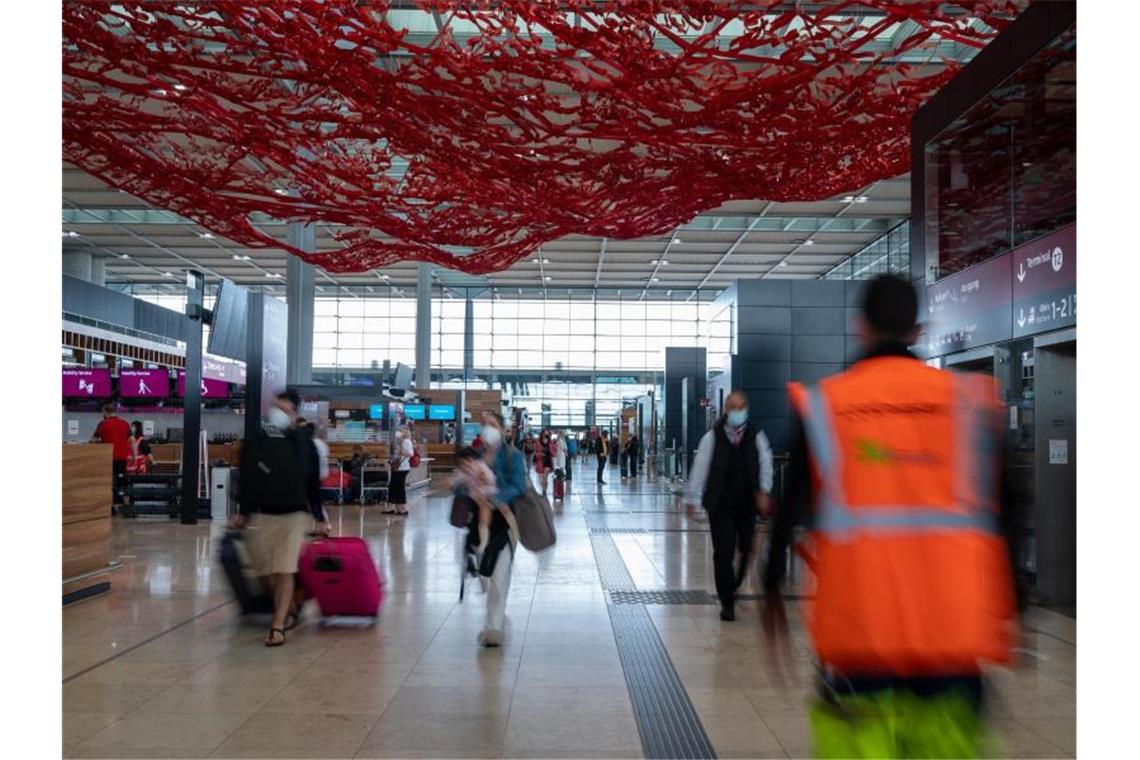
441, 412
210, 388
83, 383
226, 370
144, 383
1045, 283
415, 411
970, 308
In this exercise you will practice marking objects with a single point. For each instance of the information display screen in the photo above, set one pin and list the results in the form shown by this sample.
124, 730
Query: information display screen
87, 383
415, 411
376, 412
144, 383
441, 412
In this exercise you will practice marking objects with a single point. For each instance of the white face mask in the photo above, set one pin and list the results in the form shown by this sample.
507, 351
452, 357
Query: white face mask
491, 435
279, 418
737, 417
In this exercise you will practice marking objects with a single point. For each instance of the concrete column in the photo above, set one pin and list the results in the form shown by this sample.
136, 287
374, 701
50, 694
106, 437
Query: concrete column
423, 327
468, 339
300, 290
84, 266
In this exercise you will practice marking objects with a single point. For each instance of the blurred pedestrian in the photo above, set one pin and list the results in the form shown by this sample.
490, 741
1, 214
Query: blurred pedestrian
495, 565
731, 478
140, 460
603, 453
896, 467
544, 454
632, 452
401, 464
279, 496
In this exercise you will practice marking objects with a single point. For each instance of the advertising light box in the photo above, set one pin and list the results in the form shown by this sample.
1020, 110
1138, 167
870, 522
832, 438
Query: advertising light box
87, 383
144, 383
210, 388
441, 412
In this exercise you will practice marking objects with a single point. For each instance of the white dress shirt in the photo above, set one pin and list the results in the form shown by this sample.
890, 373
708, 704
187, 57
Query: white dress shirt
699, 473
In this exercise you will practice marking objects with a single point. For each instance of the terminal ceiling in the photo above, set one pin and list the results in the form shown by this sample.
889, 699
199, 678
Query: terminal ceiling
700, 229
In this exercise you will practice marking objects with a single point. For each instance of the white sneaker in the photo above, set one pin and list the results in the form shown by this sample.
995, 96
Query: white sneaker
489, 638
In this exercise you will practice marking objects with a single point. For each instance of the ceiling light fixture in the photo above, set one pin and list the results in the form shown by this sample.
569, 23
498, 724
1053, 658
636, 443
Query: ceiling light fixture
281, 191
783, 263
206, 235
861, 199
654, 262
383, 277
124, 255
180, 87
657, 279
168, 274
664, 262
678, 241
548, 278
70, 233
809, 242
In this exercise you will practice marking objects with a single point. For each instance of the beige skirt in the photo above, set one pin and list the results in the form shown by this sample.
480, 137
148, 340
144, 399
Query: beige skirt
275, 541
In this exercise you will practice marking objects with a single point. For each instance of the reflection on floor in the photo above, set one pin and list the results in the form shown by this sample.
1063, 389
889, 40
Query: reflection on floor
164, 667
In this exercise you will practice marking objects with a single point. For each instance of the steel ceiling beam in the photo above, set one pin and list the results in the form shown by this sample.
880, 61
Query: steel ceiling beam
736, 244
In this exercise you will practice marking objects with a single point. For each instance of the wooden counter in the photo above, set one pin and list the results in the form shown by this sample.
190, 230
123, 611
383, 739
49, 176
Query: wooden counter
86, 520
172, 452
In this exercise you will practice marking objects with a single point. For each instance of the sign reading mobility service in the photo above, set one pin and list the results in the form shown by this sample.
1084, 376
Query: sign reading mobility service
144, 383
970, 308
81, 383
1045, 283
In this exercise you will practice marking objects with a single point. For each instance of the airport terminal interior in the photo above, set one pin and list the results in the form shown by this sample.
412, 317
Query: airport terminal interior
575, 238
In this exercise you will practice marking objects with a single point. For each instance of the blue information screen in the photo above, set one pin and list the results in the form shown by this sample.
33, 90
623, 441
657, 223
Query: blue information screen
441, 412
414, 411
376, 412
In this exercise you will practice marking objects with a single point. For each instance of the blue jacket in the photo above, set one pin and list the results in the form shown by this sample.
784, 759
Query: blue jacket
510, 474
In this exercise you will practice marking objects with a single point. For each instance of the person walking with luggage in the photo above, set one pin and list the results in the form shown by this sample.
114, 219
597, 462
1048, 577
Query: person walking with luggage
544, 454
731, 480
279, 496
401, 465
895, 467
114, 430
603, 452
509, 468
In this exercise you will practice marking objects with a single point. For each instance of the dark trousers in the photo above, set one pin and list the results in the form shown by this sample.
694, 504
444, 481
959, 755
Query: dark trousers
397, 491
633, 465
118, 480
731, 530
601, 466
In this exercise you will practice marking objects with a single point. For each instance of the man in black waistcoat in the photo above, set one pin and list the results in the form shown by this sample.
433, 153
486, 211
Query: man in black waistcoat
731, 478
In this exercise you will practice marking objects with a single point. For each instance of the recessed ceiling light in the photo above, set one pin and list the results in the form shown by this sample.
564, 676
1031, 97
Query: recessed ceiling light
861, 199
70, 233
124, 255
206, 235
809, 242
281, 191
664, 262
678, 241
168, 274
180, 87
237, 257
657, 279
546, 261
383, 277
653, 262
548, 278
783, 263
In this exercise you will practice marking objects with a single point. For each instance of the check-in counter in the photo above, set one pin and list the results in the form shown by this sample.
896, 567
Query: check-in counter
86, 520
417, 477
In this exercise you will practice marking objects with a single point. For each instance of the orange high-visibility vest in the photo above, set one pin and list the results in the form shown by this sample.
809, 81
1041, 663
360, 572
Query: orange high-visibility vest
912, 575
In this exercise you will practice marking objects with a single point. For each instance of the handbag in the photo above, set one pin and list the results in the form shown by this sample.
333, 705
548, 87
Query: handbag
535, 518
461, 508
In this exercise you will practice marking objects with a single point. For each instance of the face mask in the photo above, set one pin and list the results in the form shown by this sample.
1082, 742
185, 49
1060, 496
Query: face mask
492, 435
737, 417
279, 418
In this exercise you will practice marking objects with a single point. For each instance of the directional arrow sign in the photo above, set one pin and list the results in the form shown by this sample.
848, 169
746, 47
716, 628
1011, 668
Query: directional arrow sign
1021, 317
1046, 284
1021, 272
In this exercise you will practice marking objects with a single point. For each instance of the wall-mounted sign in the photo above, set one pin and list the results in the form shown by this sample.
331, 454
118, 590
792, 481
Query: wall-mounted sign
73, 427
87, 383
970, 308
1045, 283
210, 388
144, 383
148, 427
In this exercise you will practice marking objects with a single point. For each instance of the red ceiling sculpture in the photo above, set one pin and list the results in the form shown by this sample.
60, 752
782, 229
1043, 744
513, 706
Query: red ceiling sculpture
519, 122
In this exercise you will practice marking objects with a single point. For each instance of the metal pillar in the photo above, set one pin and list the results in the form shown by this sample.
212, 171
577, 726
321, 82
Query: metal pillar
300, 291
423, 327
192, 404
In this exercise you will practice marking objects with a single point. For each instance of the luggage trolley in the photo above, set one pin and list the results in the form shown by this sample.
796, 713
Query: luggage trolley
374, 477
333, 486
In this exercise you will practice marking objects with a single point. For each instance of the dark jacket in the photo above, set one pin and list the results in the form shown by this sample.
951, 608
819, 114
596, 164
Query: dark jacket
295, 484
733, 468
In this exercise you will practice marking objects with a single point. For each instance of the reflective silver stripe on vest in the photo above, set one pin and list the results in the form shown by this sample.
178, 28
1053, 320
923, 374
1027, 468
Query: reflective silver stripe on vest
838, 521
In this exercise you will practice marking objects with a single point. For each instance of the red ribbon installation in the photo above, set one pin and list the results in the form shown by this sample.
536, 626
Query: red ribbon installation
517, 122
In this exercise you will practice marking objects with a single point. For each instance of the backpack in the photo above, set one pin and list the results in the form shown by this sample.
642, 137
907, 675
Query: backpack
273, 472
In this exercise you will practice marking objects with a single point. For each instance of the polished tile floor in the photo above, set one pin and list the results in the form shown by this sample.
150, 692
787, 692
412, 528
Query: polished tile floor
164, 667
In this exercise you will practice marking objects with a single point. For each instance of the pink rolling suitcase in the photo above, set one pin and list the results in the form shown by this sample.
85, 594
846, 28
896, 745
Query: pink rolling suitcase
340, 574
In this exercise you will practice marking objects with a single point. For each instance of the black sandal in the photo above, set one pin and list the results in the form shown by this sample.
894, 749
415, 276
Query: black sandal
292, 618
273, 641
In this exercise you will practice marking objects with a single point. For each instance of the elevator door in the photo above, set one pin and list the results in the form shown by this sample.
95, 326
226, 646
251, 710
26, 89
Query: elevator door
1055, 460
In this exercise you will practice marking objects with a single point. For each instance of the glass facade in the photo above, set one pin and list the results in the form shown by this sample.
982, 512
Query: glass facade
888, 254
1004, 173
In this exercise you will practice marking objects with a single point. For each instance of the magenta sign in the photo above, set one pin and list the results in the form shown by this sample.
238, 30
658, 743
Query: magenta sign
210, 388
144, 383
83, 383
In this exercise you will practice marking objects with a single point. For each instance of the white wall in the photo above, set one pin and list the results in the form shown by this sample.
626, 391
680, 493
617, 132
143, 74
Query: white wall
213, 422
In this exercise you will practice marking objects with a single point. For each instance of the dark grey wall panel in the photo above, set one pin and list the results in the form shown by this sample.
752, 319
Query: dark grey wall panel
764, 347
682, 362
851, 316
818, 292
853, 292
814, 372
764, 292
854, 349
764, 374
96, 302
817, 348
763, 319
828, 320
778, 430
767, 403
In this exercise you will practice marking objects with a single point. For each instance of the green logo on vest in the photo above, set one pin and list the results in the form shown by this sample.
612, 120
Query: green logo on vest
874, 452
